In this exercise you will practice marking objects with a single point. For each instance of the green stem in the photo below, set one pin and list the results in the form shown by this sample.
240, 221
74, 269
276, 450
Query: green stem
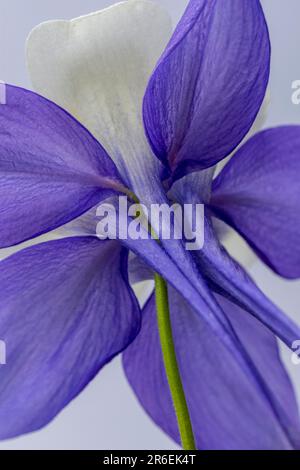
171, 365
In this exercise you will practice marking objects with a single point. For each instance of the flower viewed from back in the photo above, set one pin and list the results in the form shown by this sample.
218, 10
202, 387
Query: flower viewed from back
161, 111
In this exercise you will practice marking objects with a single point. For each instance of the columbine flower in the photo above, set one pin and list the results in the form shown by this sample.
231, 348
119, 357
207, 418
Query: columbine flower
66, 305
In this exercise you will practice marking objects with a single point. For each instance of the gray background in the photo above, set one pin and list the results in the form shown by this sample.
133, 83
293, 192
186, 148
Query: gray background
106, 415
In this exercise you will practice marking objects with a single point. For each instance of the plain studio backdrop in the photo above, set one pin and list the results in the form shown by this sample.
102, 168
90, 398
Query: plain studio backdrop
107, 415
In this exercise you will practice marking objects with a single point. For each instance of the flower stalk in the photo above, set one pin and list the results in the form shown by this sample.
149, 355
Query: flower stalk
171, 364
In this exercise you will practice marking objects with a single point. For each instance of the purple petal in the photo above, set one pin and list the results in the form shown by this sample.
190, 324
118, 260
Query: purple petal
227, 277
170, 259
177, 265
51, 168
228, 410
66, 310
258, 193
209, 84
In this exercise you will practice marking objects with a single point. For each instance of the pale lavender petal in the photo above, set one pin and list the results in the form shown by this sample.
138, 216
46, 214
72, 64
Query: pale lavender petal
228, 409
208, 85
51, 168
66, 309
198, 182
258, 193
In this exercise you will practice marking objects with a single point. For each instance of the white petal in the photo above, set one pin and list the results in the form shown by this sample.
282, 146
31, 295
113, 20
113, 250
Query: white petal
97, 67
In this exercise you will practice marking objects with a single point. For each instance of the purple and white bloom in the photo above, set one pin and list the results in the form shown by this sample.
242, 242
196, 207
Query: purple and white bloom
161, 112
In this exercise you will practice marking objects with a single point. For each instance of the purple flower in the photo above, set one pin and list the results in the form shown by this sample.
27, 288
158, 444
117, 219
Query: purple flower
66, 306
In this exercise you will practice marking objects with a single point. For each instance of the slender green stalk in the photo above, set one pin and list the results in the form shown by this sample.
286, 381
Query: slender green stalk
171, 365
